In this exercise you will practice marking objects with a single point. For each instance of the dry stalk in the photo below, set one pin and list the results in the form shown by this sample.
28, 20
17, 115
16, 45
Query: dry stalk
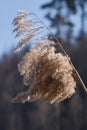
50, 75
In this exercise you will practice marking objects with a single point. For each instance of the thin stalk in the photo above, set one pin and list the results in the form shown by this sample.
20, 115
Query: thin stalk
76, 72
64, 52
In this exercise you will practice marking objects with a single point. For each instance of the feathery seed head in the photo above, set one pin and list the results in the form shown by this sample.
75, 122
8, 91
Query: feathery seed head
49, 74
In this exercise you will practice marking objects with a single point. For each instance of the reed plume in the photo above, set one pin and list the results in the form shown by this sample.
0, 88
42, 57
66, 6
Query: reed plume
50, 75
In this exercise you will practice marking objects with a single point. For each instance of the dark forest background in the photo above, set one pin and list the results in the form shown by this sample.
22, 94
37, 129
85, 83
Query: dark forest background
70, 114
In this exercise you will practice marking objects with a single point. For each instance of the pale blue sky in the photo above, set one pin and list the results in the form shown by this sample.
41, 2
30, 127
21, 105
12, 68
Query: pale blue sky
8, 10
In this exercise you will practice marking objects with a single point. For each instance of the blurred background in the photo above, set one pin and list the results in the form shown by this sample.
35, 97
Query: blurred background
67, 19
